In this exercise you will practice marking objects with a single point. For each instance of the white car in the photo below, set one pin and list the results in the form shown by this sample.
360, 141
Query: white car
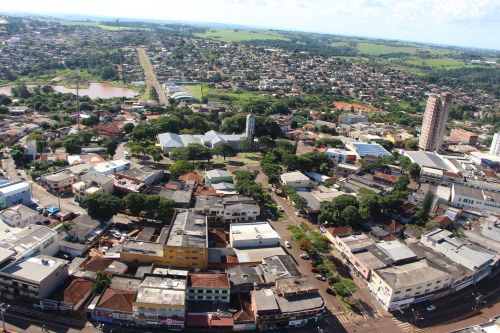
288, 245
298, 214
431, 308
304, 256
320, 277
281, 209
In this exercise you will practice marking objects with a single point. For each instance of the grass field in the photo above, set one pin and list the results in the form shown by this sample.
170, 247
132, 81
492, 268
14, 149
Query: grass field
239, 35
381, 49
229, 97
91, 24
442, 63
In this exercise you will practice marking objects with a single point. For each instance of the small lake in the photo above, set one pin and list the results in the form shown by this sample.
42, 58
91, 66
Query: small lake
94, 90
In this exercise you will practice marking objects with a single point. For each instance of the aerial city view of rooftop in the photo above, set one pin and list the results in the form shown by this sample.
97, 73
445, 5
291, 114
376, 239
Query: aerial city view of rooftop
325, 166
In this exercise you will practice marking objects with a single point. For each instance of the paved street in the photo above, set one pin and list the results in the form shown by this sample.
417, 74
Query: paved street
150, 76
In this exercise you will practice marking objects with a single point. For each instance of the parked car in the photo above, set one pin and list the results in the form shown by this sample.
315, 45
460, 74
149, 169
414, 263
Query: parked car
314, 270
330, 291
288, 245
298, 214
431, 308
281, 209
304, 256
320, 277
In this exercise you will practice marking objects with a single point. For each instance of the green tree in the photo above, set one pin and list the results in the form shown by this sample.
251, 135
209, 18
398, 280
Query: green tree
143, 133
134, 202
299, 202
414, 170
155, 152
110, 146
422, 216
102, 205
369, 203
401, 183
128, 128
73, 144
350, 216
180, 167
345, 288
102, 280
165, 209
17, 156
223, 149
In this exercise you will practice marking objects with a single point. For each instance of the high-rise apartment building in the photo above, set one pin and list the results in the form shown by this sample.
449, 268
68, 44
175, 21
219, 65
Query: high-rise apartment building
495, 145
434, 123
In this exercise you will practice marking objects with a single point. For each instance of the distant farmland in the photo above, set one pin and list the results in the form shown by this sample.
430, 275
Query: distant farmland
237, 35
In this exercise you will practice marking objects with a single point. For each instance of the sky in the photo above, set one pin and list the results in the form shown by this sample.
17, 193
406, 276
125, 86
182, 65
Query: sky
474, 23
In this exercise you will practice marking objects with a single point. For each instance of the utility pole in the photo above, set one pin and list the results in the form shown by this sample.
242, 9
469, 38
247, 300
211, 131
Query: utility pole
3, 308
415, 318
477, 298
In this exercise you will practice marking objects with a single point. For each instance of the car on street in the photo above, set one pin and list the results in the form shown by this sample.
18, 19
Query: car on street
320, 277
288, 245
431, 308
281, 209
330, 291
304, 256
314, 270
298, 214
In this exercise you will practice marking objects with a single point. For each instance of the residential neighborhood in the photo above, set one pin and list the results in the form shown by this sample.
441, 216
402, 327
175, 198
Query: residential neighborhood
272, 208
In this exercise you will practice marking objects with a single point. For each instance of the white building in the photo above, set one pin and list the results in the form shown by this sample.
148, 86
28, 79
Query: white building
397, 287
92, 182
468, 255
258, 234
19, 216
340, 156
13, 193
295, 179
34, 278
31, 240
475, 199
495, 145
108, 168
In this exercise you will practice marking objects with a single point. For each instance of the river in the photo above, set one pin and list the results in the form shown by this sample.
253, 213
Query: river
94, 90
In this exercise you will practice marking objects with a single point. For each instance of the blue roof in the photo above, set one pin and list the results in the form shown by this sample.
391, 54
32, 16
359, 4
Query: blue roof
373, 149
52, 209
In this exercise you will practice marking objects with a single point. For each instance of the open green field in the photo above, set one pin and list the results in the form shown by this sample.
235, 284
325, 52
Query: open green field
237, 35
387, 48
441, 63
234, 99
91, 24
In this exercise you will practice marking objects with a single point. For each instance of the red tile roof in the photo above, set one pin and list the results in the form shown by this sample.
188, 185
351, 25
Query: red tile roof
117, 300
386, 177
340, 231
192, 176
444, 220
218, 280
77, 290
97, 264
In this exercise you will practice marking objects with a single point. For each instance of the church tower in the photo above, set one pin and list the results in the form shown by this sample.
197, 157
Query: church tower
250, 125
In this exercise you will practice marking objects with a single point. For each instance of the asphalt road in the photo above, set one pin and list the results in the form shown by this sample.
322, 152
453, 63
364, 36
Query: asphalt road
150, 75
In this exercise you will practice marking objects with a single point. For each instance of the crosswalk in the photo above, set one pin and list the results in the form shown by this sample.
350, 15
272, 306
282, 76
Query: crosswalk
405, 327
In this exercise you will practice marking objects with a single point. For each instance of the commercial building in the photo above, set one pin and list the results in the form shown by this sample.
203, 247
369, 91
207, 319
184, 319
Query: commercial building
31, 240
33, 278
397, 287
352, 118
161, 299
295, 179
14, 193
294, 302
434, 122
19, 216
485, 160
82, 234
184, 244
475, 199
258, 234
339, 156
212, 287
463, 136
364, 149
92, 182
144, 174
108, 168
468, 255
115, 307
230, 209
495, 145
58, 182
